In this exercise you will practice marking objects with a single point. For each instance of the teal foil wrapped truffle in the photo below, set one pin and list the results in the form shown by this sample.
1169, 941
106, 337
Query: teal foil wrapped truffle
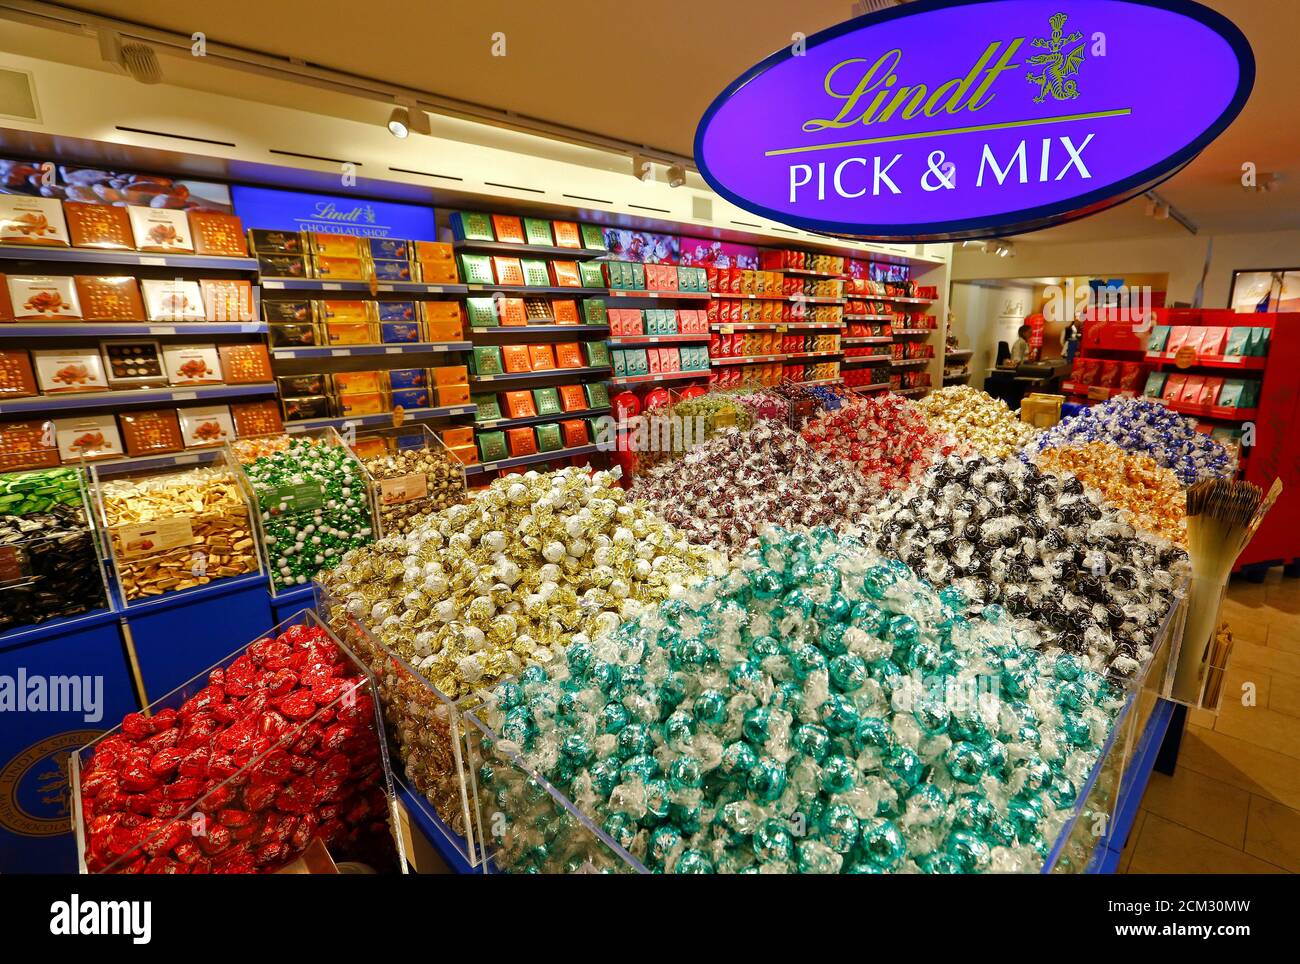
818, 709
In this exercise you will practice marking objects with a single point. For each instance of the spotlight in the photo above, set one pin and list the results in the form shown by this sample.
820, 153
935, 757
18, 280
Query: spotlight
399, 122
676, 176
643, 169
417, 120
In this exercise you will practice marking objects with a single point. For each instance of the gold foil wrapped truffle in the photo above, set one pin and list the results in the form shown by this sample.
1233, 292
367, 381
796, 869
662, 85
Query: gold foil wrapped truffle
982, 422
1134, 483
474, 592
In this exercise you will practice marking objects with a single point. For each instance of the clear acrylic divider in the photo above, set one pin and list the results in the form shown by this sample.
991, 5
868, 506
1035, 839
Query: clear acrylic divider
155, 554
426, 728
246, 451
325, 776
399, 502
28, 562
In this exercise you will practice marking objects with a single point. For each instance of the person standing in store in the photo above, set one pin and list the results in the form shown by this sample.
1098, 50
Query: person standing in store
1019, 348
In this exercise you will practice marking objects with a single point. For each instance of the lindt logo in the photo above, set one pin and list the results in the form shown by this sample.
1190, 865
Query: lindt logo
329, 211
969, 93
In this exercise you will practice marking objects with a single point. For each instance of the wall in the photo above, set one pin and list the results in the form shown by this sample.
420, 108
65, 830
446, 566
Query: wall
1182, 258
983, 315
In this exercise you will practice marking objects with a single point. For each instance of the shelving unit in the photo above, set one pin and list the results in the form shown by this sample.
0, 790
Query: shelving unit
96, 410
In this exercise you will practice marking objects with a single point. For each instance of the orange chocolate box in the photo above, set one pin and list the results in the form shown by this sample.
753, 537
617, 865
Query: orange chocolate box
520, 404
453, 394
451, 375
516, 358
541, 358
522, 441
455, 437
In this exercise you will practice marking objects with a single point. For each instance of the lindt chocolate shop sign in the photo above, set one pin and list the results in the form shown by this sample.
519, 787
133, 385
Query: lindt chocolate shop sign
948, 119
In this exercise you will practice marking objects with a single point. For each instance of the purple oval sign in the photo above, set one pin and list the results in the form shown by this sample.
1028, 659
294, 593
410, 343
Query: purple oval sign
947, 119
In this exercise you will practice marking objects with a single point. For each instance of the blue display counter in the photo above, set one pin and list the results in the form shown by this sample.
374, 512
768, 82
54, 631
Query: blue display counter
176, 637
62, 684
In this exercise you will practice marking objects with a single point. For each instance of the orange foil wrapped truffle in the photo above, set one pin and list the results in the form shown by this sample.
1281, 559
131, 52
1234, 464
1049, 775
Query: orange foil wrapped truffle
1135, 483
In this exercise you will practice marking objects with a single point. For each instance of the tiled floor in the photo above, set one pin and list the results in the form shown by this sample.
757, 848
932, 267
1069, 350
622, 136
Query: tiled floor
1233, 805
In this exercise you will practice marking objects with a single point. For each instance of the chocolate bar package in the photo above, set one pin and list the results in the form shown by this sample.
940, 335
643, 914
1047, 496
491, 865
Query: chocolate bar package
173, 300
163, 230
227, 300
388, 249
410, 397
27, 445
334, 245
264, 241
312, 383
109, 298
1238, 342
218, 235
307, 406
17, 378
593, 311
88, 437
245, 364
133, 363
42, 298
593, 237
482, 312
283, 266
399, 378
104, 226
489, 409
292, 335
192, 364
391, 270
288, 312
589, 274
153, 432
256, 418
206, 426
1155, 385
35, 221
399, 332
472, 226
538, 231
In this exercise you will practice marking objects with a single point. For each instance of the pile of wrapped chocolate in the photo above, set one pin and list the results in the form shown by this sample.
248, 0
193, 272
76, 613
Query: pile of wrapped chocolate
767, 631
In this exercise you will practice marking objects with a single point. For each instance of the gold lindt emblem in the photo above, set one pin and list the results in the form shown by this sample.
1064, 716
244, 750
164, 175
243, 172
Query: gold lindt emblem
1058, 65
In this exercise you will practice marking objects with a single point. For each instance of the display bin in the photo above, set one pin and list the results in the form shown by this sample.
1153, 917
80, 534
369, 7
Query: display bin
289, 773
305, 521
427, 732
51, 560
175, 523
410, 473
535, 828
1082, 845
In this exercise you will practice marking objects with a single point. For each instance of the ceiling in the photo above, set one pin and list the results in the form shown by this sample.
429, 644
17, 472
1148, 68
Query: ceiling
644, 73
